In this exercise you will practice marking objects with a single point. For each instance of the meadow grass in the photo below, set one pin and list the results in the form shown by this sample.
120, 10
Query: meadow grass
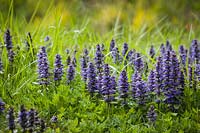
73, 106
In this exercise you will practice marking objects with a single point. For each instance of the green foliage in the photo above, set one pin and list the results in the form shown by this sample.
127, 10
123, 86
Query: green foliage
75, 109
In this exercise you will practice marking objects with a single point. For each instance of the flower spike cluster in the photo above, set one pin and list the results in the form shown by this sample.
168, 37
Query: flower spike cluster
43, 67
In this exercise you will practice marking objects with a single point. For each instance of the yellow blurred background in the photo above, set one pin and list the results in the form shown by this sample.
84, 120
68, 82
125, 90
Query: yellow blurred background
103, 15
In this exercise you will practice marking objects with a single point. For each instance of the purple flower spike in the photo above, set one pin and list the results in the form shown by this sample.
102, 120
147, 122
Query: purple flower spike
9, 46
197, 71
183, 55
152, 52
31, 120
193, 53
43, 67
54, 119
116, 55
181, 79
22, 118
159, 75
166, 70
83, 68
141, 91
8, 40
168, 46
123, 86
130, 55
99, 83
70, 73
152, 81
125, 49
2, 106
133, 84
58, 68
84, 63
112, 45
11, 55
162, 49
175, 70
11, 119
91, 76
151, 114
108, 88
85, 52
99, 59
138, 62
172, 80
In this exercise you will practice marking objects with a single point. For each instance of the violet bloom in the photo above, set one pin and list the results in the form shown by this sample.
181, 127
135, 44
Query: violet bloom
91, 76
58, 68
197, 71
151, 114
194, 51
190, 75
36, 119
31, 119
11, 55
2, 106
43, 67
70, 73
166, 71
84, 61
168, 46
83, 68
181, 79
183, 55
123, 86
125, 49
138, 62
130, 55
152, 52
22, 118
108, 85
152, 81
171, 83
67, 51
162, 49
11, 119
141, 91
117, 58
102, 47
112, 45
8, 40
99, 82
54, 119
113, 83
9, 46
175, 70
99, 59
86, 54
159, 75
134, 79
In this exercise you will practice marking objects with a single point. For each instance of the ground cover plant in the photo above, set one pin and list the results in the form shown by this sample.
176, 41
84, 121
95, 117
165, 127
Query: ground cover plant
59, 79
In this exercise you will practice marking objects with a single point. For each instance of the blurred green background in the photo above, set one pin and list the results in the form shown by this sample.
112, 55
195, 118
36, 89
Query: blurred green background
102, 15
